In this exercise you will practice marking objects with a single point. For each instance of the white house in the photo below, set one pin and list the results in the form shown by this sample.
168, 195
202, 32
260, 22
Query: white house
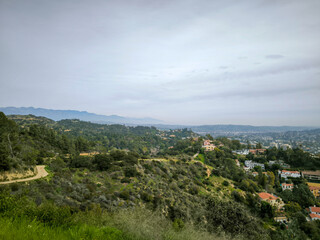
250, 164
286, 186
242, 152
285, 174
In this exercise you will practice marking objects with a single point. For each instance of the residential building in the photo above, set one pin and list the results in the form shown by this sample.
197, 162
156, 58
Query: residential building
312, 175
286, 186
250, 164
293, 174
281, 219
210, 147
272, 199
314, 217
314, 210
257, 151
241, 152
246, 169
314, 189
207, 142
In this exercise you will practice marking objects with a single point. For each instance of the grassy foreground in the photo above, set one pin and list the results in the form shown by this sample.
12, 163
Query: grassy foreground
22, 219
124, 225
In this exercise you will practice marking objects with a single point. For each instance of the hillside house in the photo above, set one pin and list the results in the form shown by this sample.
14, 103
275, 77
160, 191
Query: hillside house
241, 152
257, 151
250, 164
210, 147
312, 175
293, 174
314, 210
314, 217
281, 219
314, 189
207, 142
273, 200
286, 186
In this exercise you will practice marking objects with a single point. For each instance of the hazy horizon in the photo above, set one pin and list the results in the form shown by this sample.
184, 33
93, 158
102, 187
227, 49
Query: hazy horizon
182, 61
165, 123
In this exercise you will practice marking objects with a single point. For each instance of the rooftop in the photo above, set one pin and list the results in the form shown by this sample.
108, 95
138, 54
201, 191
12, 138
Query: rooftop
317, 173
315, 209
267, 196
314, 216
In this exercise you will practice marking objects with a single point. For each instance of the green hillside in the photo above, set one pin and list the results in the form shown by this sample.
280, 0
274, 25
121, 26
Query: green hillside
118, 182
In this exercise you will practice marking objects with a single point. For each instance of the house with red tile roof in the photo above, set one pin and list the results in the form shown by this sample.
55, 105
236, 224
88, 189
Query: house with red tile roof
314, 210
208, 145
257, 151
273, 200
314, 216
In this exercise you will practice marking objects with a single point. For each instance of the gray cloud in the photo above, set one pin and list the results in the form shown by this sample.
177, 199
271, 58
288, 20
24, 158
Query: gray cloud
274, 56
182, 61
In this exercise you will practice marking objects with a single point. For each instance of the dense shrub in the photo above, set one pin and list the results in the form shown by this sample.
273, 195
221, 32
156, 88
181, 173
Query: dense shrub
232, 217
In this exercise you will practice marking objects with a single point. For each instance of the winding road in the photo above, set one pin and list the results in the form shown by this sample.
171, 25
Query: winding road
41, 173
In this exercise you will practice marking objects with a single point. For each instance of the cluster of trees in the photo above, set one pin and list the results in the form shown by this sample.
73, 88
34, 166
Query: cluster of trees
104, 162
296, 158
34, 138
140, 139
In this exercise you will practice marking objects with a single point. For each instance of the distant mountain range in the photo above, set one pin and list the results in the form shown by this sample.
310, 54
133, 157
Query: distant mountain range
214, 130
57, 115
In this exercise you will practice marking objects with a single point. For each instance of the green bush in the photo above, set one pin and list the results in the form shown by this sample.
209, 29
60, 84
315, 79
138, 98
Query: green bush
225, 183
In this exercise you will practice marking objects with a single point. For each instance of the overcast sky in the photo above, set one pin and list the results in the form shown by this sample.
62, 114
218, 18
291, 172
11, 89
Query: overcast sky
181, 61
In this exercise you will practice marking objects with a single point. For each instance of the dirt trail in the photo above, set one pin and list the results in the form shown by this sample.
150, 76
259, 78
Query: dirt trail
41, 173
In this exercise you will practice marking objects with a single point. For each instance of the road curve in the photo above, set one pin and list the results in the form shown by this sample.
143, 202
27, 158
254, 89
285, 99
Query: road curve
41, 173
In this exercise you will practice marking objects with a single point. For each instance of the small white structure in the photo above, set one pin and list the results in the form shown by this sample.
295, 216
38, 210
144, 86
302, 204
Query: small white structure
242, 152
250, 164
286, 186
